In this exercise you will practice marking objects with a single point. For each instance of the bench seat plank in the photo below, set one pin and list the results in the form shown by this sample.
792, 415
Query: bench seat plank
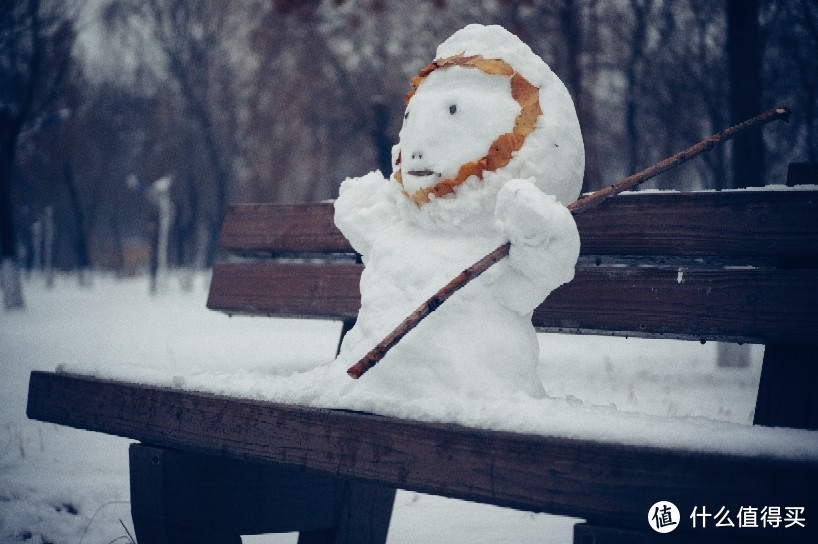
772, 224
723, 303
608, 483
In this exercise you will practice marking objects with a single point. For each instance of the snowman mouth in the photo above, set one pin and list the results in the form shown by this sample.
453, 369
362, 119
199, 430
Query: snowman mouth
421, 173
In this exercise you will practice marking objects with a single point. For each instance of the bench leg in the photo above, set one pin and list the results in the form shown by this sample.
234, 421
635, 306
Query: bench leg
365, 514
151, 523
150, 530
788, 389
183, 497
179, 497
364, 517
586, 533
365, 509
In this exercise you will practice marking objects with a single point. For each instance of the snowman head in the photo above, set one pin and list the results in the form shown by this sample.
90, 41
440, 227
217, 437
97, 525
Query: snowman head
487, 110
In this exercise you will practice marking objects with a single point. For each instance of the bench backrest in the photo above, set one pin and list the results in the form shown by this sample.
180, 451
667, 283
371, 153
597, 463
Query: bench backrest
731, 266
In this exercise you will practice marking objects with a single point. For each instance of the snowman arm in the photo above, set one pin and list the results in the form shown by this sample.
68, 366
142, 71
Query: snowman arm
364, 207
544, 245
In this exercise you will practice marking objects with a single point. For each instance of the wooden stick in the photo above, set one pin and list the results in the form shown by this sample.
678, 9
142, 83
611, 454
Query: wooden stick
594, 199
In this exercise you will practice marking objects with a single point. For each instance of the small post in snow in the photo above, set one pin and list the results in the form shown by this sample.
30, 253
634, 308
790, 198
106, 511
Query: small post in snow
159, 194
48, 245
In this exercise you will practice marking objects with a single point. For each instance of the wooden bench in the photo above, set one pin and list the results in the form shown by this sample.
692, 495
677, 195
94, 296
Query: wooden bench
735, 266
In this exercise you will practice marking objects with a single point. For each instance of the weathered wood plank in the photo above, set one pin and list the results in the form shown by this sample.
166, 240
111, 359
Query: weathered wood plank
326, 290
608, 484
727, 304
281, 228
730, 224
748, 304
781, 225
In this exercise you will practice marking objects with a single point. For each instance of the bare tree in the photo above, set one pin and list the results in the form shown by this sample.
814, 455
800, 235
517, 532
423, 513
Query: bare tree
200, 56
279, 100
564, 32
21, 40
744, 54
685, 94
635, 76
195, 38
35, 46
790, 75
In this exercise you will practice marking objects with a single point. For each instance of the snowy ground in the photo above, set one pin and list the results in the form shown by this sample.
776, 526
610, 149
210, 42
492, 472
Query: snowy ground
61, 485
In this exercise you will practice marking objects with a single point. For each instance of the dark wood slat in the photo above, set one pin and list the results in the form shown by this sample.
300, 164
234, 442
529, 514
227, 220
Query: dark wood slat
282, 228
329, 291
729, 304
605, 483
737, 304
770, 224
774, 224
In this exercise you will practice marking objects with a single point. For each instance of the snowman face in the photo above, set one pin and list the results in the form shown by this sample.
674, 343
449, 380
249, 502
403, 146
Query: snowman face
452, 120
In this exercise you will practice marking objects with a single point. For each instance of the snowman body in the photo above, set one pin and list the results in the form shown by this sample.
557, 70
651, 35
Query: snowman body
445, 207
472, 343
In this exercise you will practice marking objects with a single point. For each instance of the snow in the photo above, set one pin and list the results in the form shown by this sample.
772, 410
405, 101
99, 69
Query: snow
116, 329
563, 414
773, 187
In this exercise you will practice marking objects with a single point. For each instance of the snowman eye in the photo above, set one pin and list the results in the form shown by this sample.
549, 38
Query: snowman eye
453, 109
406, 115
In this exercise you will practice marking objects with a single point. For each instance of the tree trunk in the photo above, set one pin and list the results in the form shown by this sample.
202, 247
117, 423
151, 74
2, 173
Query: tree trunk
10, 276
744, 58
380, 138
571, 24
83, 255
633, 74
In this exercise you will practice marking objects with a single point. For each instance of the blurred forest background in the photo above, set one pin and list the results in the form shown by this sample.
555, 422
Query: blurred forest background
278, 101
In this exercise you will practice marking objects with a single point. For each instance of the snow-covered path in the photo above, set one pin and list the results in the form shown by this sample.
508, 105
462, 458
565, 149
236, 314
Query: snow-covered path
66, 486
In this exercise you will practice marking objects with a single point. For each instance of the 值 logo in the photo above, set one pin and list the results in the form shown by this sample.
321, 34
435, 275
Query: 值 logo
664, 517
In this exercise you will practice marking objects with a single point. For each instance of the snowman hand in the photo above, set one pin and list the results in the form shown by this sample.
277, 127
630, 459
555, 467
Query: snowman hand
544, 242
530, 218
365, 207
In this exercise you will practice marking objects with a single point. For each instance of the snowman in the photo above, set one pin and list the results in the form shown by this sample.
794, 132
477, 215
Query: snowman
490, 151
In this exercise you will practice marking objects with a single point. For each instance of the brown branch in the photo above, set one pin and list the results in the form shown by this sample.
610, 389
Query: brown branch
679, 158
594, 199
